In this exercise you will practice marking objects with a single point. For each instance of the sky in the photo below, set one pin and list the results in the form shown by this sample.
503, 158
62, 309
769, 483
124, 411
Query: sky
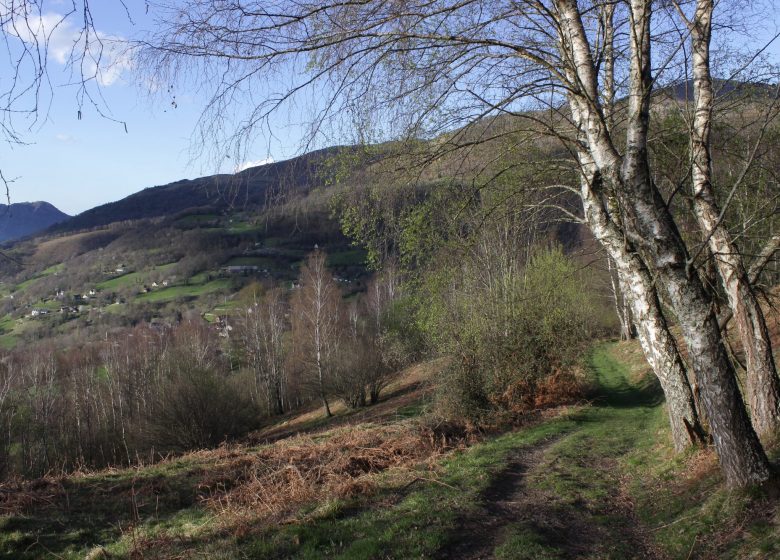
78, 163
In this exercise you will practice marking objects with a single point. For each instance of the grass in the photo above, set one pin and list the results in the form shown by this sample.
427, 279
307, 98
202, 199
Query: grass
132, 278
262, 262
579, 478
597, 481
416, 525
351, 257
245, 227
194, 220
8, 336
115, 308
90, 519
7, 323
192, 290
8, 341
55, 269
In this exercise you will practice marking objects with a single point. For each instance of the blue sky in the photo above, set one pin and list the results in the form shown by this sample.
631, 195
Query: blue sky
78, 164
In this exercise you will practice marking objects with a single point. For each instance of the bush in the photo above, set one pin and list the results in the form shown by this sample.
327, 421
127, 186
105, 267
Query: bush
200, 408
515, 334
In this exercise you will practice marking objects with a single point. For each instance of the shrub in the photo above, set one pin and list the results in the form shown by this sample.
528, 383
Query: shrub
200, 408
515, 334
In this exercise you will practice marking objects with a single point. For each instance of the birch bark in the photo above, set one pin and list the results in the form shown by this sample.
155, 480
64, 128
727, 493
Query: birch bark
762, 386
647, 222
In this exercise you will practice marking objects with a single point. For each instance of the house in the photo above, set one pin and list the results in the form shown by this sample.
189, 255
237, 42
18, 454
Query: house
222, 326
39, 311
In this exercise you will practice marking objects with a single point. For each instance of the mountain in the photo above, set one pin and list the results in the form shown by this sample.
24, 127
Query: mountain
683, 91
250, 188
26, 218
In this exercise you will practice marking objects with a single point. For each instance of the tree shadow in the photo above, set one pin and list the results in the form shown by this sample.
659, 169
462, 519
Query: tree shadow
615, 389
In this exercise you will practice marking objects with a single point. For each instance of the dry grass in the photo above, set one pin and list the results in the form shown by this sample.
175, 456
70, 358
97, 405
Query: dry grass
275, 482
18, 495
411, 386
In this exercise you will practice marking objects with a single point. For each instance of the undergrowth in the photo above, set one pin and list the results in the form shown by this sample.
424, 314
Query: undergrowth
604, 483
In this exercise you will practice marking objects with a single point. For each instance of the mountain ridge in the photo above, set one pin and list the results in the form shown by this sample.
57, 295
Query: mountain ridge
21, 219
250, 188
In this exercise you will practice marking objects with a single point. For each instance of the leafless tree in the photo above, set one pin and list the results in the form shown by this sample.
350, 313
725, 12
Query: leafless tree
260, 337
317, 322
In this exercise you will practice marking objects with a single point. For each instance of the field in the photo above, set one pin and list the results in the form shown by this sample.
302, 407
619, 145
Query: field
132, 278
188, 290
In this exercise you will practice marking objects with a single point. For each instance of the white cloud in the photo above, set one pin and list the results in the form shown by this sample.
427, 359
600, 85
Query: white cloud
96, 55
256, 163
65, 138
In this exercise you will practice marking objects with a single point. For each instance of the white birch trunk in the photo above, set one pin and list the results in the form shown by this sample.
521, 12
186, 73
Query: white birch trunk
762, 386
646, 221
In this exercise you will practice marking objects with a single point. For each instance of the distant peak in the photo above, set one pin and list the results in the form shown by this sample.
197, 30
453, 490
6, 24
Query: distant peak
25, 218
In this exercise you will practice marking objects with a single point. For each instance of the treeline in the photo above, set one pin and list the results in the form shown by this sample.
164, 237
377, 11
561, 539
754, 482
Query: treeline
145, 392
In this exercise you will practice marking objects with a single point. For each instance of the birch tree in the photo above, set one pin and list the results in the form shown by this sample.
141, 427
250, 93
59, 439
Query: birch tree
444, 70
316, 320
261, 341
763, 385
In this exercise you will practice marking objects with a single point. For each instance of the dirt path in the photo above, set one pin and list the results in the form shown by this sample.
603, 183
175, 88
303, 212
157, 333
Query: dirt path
504, 502
562, 497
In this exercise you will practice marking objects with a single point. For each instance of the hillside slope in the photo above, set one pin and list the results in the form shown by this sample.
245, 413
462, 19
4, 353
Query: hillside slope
250, 188
596, 481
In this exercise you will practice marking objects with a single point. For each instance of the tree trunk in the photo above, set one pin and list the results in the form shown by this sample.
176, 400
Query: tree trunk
742, 458
622, 308
646, 222
658, 344
663, 354
762, 383
321, 382
325, 403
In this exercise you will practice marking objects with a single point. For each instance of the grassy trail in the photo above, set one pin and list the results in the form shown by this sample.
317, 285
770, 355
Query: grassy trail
550, 491
571, 501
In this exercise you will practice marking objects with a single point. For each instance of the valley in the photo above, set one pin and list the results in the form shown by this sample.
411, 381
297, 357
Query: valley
151, 269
